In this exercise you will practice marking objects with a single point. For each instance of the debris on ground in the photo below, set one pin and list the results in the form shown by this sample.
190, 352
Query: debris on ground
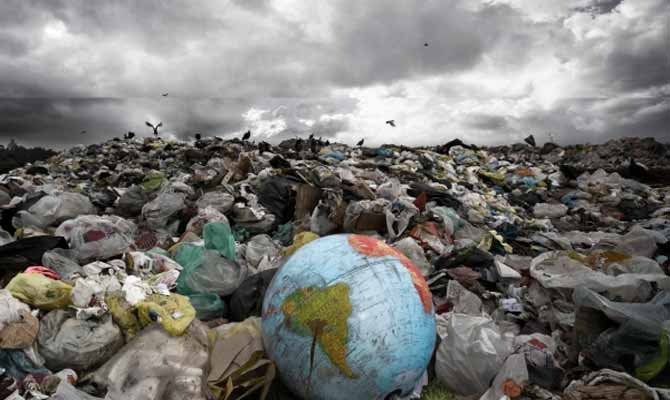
148, 268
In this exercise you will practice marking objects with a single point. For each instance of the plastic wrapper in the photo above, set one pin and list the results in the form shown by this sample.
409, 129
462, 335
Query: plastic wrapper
94, 238
157, 366
66, 342
218, 236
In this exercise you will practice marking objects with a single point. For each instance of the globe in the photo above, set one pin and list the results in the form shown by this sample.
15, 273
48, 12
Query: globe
348, 317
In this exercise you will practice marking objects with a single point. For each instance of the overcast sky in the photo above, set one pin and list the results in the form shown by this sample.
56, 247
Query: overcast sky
493, 70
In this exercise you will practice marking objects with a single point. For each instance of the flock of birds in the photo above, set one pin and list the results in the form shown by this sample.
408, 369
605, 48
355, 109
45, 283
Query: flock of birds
245, 137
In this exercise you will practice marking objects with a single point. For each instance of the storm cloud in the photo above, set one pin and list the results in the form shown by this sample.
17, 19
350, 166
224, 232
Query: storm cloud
488, 71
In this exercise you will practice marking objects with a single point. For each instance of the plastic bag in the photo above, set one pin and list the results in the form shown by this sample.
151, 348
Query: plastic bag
59, 261
17, 364
247, 300
565, 270
158, 212
221, 201
174, 312
205, 215
40, 291
218, 236
410, 248
65, 391
472, 353
132, 200
94, 238
157, 366
54, 209
206, 271
18, 327
258, 247
207, 306
66, 342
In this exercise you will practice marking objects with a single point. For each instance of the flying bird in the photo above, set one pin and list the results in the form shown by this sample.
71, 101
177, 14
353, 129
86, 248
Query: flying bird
530, 140
425, 45
391, 122
82, 132
247, 135
165, 94
360, 142
154, 127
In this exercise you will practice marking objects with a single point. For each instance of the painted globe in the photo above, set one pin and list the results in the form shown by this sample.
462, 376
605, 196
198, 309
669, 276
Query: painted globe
349, 317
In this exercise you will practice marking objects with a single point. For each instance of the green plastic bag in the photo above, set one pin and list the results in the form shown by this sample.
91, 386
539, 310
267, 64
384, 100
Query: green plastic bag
218, 236
40, 291
207, 306
207, 271
153, 181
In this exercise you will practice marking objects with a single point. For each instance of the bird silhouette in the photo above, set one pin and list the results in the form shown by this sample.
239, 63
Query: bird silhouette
165, 94
129, 135
391, 122
82, 132
198, 136
360, 143
154, 127
425, 45
247, 135
311, 136
530, 140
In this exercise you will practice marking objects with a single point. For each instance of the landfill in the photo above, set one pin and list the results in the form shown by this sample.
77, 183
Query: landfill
137, 268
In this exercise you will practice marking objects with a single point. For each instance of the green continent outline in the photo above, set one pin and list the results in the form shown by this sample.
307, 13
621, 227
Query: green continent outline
322, 313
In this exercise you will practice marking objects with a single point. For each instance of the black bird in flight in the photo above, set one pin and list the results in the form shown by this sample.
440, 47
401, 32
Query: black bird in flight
360, 142
530, 140
82, 132
247, 135
198, 136
391, 122
165, 94
425, 45
154, 127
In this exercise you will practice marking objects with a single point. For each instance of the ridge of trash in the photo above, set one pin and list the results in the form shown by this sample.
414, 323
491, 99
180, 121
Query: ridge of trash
137, 268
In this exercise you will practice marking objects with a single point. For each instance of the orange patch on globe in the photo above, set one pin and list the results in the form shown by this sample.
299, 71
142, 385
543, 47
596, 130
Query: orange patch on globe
372, 247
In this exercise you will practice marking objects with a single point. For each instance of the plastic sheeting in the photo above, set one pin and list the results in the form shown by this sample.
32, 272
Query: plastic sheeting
157, 366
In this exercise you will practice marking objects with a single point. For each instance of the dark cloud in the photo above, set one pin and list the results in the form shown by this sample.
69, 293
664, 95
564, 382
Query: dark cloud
332, 69
599, 7
486, 122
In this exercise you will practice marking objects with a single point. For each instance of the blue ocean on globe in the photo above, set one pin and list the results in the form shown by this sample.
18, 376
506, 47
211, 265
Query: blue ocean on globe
349, 317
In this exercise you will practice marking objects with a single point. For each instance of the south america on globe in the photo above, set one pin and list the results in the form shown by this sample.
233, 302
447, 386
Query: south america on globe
349, 317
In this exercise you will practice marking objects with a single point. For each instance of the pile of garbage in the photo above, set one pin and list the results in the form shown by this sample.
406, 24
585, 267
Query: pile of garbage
136, 269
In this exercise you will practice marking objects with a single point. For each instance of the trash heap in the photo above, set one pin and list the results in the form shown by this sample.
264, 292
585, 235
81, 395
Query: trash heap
136, 269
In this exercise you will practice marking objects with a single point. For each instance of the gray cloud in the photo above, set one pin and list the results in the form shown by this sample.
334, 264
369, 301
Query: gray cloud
486, 122
339, 69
